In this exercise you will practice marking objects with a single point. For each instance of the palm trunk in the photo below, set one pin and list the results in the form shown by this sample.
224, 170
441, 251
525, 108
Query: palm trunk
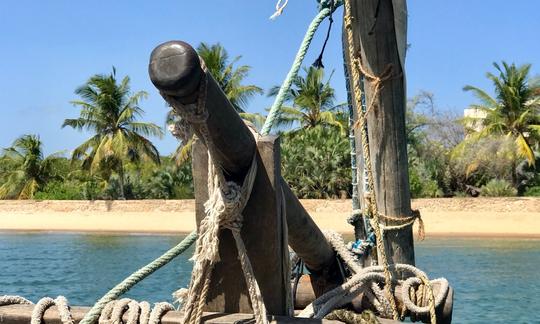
121, 181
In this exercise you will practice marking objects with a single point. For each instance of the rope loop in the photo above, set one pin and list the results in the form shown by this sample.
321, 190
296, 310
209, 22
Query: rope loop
279, 8
399, 223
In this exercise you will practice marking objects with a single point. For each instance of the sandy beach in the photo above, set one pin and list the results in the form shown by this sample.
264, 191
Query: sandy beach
496, 217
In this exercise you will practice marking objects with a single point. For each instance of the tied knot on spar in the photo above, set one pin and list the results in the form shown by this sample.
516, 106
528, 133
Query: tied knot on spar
223, 210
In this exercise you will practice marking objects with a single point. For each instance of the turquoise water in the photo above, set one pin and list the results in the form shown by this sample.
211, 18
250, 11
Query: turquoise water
496, 280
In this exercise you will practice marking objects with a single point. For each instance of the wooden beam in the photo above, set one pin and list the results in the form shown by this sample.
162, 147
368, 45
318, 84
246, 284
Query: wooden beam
264, 232
232, 141
21, 314
375, 37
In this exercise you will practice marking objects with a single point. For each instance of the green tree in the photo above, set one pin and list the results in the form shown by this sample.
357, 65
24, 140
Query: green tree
316, 162
230, 78
313, 103
110, 110
514, 111
29, 170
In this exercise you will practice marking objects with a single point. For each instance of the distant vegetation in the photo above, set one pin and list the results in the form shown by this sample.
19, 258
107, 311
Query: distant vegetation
494, 152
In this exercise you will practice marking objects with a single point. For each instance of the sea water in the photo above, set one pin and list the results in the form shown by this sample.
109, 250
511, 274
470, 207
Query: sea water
495, 280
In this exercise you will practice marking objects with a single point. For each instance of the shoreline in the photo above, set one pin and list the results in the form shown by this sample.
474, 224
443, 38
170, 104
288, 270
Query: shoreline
443, 217
441, 235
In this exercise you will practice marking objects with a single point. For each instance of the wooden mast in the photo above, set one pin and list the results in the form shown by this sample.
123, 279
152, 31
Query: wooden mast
379, 28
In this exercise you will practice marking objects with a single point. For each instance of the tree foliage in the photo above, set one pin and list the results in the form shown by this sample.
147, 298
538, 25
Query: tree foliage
515, 109
28, 170
312, 103
316, 163
110, 111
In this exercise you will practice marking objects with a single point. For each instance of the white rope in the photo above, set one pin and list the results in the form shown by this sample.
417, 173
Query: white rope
367, 280
279, 9
223, 210
113, 313
14, 300
45, 303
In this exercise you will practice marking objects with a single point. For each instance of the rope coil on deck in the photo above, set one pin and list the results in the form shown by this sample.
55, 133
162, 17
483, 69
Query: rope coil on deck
366, 280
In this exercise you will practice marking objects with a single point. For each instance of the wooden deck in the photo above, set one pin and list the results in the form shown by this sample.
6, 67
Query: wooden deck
21, 314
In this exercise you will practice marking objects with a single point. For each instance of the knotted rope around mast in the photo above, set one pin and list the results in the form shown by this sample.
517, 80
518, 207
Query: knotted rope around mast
357, 70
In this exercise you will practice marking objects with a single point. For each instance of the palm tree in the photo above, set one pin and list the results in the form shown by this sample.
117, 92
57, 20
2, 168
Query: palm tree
30, 170
229, 78
312, 101
514, 111
110, 111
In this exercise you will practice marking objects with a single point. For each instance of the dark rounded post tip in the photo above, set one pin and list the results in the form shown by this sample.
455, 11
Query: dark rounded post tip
175, 68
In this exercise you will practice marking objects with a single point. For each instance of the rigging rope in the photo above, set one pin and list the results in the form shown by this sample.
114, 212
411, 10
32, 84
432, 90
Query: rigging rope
136, 277
274, 113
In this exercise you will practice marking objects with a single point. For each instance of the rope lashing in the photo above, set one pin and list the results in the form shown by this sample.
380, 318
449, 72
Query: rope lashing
376, 84
136, 277
223, 210
274, 112
372, 206
404, 222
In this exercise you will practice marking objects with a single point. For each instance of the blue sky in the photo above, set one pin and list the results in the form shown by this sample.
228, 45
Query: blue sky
48, 48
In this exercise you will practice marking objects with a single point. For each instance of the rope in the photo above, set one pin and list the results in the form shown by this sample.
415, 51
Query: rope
372, 206
366, 280
14, 300
136, 277
279, 9
404, 222
376, 84
350, 317
137, 312
113, 312
223, 210
293, 72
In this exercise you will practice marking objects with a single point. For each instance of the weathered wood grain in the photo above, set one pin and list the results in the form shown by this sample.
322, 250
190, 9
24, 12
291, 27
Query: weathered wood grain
264, 232
374, 35
21, 314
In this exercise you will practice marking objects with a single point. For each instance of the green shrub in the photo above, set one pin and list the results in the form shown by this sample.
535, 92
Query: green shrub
532, 192
61, 190
498, 188
317, 163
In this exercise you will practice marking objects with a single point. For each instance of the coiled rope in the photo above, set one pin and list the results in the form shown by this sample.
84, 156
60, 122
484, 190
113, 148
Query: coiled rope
113, 311
366, 280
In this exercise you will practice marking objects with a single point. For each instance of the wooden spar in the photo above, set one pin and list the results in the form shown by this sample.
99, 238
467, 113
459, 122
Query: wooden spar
234, 145
264, 232
374, 31
21, 314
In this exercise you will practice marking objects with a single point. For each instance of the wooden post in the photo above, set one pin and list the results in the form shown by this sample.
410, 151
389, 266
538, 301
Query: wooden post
176, 71
264, 232
380, 46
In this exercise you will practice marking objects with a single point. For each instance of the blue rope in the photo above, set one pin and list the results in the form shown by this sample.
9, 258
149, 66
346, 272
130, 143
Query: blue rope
93, 315
326, 9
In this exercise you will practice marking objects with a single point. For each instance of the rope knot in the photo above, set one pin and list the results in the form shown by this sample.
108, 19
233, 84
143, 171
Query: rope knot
279, 9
